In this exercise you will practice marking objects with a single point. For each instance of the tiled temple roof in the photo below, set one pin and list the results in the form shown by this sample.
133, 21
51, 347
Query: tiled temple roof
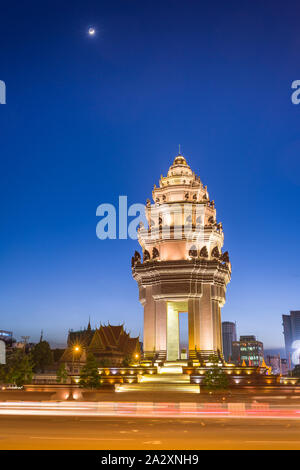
106, 339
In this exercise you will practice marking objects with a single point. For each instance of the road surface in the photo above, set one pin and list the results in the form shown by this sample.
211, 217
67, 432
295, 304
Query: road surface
109, 433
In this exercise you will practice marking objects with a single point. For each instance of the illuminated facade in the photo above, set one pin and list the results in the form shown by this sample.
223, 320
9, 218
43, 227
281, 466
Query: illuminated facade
248, 350
108, 343
183, 268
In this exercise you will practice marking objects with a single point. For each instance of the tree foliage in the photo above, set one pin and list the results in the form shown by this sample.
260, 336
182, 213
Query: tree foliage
19, 368
104, 362
89, 375
215, 378
62, 374
127, 361
57, 354
42, 356
2, 373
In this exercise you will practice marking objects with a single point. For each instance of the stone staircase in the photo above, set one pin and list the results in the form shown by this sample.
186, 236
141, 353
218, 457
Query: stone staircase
169, 378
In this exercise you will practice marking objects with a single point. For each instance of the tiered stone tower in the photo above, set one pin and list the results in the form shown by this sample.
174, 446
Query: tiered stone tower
183, 268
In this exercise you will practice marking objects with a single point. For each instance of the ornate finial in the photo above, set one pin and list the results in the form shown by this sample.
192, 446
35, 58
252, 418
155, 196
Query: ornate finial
179, 153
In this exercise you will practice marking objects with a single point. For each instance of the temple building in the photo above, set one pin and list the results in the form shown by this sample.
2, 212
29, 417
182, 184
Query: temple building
110, 345
82, 337
182, 269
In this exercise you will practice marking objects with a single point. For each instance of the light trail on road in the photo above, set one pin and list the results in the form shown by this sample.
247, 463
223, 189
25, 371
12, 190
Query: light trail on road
149, 409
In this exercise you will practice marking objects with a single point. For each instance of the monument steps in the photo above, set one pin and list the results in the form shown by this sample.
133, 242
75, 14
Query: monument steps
158, 387
165, 378
174, 370
180, 363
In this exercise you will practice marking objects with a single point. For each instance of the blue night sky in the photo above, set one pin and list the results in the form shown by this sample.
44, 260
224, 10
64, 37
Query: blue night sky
90, 118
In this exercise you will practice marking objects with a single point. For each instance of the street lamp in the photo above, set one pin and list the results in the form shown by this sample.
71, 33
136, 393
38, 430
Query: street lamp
76, 349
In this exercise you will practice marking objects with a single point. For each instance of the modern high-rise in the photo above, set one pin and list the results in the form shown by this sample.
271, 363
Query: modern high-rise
228, 336
291, 331
248, 350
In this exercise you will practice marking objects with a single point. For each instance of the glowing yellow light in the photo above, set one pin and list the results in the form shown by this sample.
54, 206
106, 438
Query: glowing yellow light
76, 348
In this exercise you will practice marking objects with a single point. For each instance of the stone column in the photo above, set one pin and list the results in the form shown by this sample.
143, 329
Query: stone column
218, 299
191, 320
194, 312
220, 329
172, 333
206, 321
216, 325
161, 325
149, 324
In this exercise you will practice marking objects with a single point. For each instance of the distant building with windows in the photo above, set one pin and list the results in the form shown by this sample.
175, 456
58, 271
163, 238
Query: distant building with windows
228, 336
278, 364
248, 350
291, 332
2, 352
6, 336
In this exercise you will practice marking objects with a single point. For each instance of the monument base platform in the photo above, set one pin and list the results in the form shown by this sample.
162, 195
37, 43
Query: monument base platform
169, 378
159, 387
165, 378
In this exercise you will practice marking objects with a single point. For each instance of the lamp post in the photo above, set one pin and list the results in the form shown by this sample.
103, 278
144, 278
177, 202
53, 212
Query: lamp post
76, 350
136, 357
